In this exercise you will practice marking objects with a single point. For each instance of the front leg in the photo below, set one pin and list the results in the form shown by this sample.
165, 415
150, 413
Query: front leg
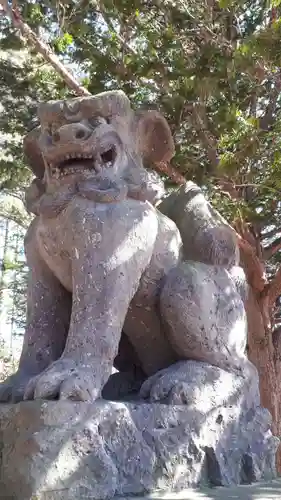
48, 318
111, 247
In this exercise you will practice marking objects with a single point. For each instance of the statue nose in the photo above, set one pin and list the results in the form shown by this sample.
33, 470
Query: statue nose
74, 132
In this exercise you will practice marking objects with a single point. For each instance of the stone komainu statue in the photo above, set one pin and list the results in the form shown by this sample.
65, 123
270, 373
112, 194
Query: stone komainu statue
106, 265
155, 292
109, 271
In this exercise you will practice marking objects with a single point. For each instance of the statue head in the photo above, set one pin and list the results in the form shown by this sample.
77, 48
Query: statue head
97, 146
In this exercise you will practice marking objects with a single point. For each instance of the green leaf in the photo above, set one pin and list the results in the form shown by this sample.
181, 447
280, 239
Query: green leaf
67, 39
225, 3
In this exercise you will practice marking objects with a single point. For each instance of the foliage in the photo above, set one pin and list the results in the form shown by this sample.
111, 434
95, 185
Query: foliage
213, 67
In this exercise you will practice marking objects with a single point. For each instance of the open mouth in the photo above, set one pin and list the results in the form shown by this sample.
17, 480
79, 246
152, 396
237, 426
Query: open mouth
78, 162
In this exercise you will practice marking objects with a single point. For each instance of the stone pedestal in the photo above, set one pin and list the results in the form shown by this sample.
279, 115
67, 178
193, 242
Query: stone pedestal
64, 450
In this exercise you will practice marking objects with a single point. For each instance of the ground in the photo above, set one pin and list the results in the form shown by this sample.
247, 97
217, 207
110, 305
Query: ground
258, 491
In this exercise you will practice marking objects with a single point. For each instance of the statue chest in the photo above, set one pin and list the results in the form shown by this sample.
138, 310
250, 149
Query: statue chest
52, 242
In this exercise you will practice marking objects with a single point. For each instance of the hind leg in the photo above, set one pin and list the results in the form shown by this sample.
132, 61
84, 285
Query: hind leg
204, 315
205, 322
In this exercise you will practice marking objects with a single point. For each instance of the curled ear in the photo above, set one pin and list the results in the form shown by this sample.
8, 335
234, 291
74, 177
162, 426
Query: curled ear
154, 138
33, 154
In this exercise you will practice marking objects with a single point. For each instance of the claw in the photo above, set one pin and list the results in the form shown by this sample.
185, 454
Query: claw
64, 379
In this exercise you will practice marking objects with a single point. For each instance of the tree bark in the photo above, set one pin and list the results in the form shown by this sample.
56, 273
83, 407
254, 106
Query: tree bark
3, 270
263, 351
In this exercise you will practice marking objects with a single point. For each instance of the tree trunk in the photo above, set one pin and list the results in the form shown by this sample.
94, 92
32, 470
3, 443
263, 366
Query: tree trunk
264, 349
3, 270
261, 354
266, 357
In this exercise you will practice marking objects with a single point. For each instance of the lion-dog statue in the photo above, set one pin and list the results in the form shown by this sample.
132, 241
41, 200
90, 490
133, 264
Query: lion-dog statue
115, 281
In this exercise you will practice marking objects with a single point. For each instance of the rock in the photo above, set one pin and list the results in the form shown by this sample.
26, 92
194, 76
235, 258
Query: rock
65, 450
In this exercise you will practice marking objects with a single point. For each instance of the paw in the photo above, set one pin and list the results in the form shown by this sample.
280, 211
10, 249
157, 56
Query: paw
65, 379
168, 385
13, 388
194, 383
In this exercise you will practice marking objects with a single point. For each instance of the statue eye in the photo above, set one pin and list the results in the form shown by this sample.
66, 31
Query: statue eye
96, 121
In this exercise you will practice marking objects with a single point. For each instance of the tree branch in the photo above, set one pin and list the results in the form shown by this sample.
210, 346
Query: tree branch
252, 265
14, 15
268, 118
108, 21
253, 105
17, 218
200, 122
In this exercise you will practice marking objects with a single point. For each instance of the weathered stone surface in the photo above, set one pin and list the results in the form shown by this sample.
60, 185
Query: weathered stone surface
155, 293
206, 236
105, 264
65, 450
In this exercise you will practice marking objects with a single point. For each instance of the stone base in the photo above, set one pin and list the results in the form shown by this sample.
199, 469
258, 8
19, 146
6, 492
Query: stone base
65, 450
